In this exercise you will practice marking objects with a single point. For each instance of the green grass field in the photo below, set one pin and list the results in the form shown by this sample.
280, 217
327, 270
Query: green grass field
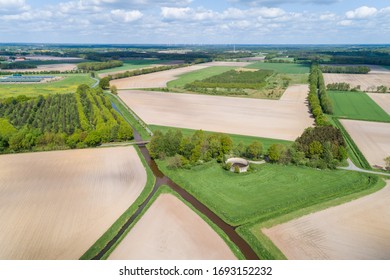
287, 68
268, 191
357, 105
67, 85
246, 140
132, 65
198, 75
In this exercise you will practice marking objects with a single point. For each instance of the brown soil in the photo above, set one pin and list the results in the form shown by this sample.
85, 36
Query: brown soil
55, 205
278, 119
170, 230
383, 100
358, 230
372, 139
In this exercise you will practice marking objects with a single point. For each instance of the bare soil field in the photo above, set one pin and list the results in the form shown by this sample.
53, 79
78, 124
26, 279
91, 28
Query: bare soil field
50, 67
372, 138
55, 205
358, 230
367, 82
170, 230
160, 79
278, 119
383, 100
153, 80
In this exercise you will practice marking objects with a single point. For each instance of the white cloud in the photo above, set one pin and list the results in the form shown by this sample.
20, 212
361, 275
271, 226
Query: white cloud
328, 17
12, 6
175, 13
126, 16
345, 22
361, 13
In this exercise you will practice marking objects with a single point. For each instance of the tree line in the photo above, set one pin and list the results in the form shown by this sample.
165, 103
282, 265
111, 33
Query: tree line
319, 100
83, 119
96, 66
345, 69
319, 147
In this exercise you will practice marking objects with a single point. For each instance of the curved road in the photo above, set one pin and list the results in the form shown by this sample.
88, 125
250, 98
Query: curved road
352, 167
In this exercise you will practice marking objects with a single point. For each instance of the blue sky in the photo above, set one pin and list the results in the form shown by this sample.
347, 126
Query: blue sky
196, 21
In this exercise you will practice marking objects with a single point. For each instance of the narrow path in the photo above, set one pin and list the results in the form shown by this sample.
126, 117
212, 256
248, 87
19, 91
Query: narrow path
97, 82
352, 167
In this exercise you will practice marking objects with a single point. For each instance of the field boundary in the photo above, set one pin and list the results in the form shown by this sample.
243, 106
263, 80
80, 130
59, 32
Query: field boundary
356, 155
267, 249
118, 224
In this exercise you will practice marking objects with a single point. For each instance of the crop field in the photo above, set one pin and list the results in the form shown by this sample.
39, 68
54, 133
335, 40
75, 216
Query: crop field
55, 205
68, 84
154, 80
170, 230
246, 140
132, 65
268, 191
383, 100
372, 138
275, 119
287, 68
198, 75
367, 82
358, 230
357, 105
48, 66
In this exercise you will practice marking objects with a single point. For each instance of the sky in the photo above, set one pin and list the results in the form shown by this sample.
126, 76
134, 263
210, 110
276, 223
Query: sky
195, 21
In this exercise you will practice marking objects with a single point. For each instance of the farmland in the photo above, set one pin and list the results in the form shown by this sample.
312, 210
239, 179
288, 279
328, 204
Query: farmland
43, 194
357, 105
276, 119
285, 68
132, 65
383, 100
267, 192
367, 82
68, 84
372, 138
358, 230
171, 230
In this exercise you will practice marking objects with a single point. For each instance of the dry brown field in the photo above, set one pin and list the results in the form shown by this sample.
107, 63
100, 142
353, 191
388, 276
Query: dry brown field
383, 100
279, 119
170, 230
367, 82
50, 67
372, 138
55, 205
160, 79
358, 230
153, 80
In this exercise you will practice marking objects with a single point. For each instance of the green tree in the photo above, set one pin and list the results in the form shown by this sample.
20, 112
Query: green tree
275, 152
315, 148
254, 150
93, 139
114, 90
105, 83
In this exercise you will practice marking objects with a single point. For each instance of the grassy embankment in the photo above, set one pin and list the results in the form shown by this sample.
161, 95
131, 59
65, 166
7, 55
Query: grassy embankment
286, 68
68, 84
269, 192
167, 190
357, 106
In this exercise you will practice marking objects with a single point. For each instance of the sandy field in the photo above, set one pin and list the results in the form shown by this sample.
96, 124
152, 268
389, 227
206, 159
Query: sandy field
383, 100
279, 119
170, 230
358, 230
372, 139
55, 205
367, 82
153, 80
160, 79
50, 67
